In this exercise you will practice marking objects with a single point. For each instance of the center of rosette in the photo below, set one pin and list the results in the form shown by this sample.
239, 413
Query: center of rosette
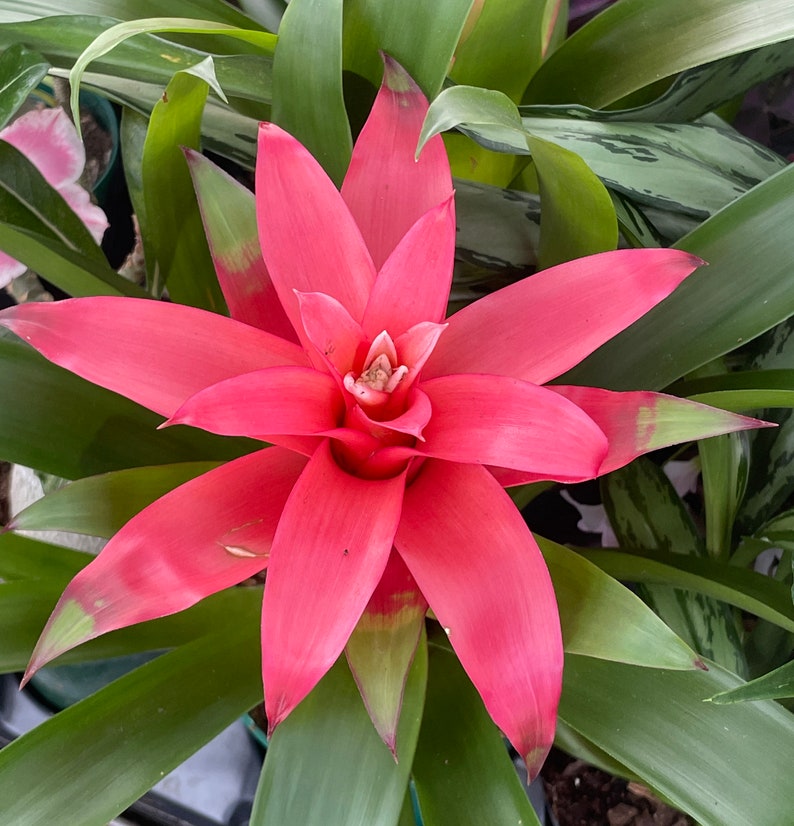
381, 375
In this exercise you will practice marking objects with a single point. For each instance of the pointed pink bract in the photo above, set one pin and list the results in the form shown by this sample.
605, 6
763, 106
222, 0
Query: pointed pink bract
329, 552
154, 353
309, 240
480, 570
386, 188
160, 562
542, 326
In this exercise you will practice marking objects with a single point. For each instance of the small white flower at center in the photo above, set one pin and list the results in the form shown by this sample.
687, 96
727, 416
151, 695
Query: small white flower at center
381, 373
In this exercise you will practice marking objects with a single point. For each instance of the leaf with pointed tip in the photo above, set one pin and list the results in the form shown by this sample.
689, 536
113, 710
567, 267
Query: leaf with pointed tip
382, 646
602, 618
113, 36
62, 38
721, 764
647, 514
145, 724
228, 211
26, 604
463, 773
326, 765
775, 685
752, 592
179, 256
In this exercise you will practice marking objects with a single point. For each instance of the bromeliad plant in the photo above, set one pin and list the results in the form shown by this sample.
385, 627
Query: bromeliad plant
394, 430
378, 512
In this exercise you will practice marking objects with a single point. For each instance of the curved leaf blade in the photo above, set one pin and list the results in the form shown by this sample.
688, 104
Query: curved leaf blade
634, 43
715, 762
601, 618
463, 773
745, 291
326, 764
142, 725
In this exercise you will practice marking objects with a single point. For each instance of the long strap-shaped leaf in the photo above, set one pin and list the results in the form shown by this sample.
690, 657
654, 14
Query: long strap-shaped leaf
724, 765
92, 760
636, 42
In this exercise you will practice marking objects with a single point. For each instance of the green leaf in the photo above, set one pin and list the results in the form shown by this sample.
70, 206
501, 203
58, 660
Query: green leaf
326, 764
744, 291
462, 770
692, 168
100, 505
693, 93
488, 116
602, 618
179, 255
142, 726
577, 216
635, 42
39, 228
224, 131
112, 37
724, 461
724, 765
307, 82
25, 606
24, 558
647, 514
54, 421
145, 58
125, 9
773, 686
421, 36
20, 73
703, 88
506, 45
755, 593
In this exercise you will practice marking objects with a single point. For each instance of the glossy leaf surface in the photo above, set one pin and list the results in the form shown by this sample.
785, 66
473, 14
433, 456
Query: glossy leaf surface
748, 590
307, 82
178, 252
140, 726
463, 773
20, 72
773, 686
326, 765
601, 618
744, 291
714, 762
634, 43
95, 430
147, 58
100, 505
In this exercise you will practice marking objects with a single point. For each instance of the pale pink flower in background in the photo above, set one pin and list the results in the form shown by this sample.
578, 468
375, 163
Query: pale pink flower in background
47, 138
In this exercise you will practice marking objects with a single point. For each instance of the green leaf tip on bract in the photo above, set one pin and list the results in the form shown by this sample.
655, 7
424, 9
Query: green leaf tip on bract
394, 76
67, 627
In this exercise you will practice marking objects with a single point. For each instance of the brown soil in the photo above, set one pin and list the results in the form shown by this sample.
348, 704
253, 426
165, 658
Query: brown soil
581, 795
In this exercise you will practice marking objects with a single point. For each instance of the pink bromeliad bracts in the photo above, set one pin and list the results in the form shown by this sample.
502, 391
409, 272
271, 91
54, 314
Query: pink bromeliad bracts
394, 430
